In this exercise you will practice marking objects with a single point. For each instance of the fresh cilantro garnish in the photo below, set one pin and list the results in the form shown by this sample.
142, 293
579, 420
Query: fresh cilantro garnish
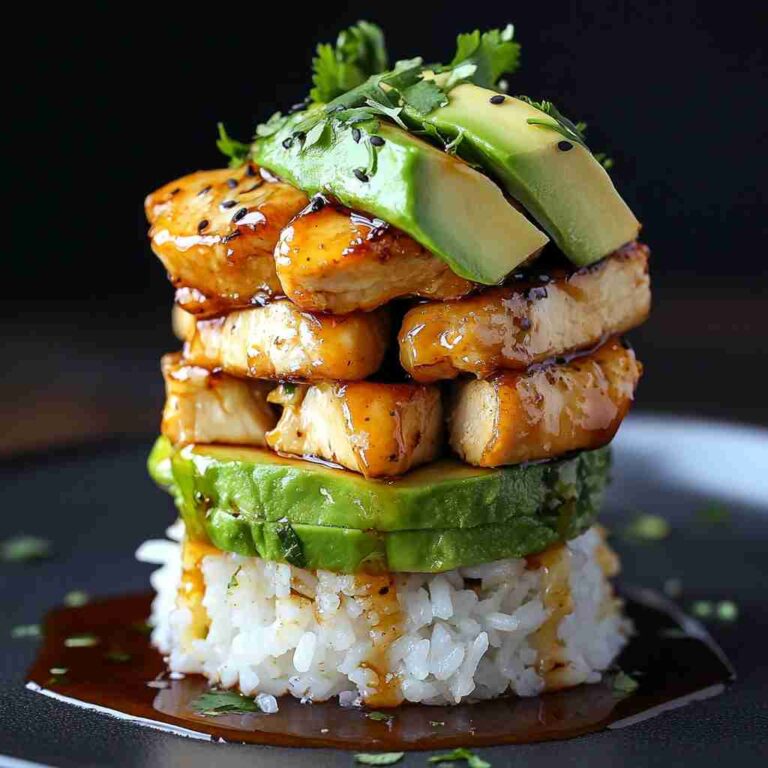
572, 131
494, 53
293, 551
647, 527
380, 717
25, 630
118, 657
23, 548
81, 641
76, 598
214, 703
233, 582
236, 151
461, 753
424, 96
272, 126
624, 683
379, 758
360, 52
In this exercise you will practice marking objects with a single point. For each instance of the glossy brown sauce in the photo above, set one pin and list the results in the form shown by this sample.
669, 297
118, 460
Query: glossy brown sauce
670, 669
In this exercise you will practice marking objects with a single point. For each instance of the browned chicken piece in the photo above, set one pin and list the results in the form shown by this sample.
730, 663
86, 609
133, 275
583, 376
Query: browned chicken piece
215, 232
523, 323
376, 429
546, 411
331, 259
204, 406
279, 341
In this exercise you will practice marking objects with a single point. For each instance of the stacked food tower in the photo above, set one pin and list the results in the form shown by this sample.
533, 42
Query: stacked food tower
386, 434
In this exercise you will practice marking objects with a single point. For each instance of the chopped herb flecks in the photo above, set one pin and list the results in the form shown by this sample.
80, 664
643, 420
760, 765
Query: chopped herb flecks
23, 548
461, 753
25, 630
233, 582
646, 527
75, 598
379, 758
624, 683
380, 717
214, 703
81, 641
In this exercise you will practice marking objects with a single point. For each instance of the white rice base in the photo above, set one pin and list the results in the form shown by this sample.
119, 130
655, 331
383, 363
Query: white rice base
456, 644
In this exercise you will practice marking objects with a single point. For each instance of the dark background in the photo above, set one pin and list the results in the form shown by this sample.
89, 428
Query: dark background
107, 106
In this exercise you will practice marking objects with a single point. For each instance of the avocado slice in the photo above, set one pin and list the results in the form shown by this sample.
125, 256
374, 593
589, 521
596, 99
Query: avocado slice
559, 182
260, 486
443, 203
350, 550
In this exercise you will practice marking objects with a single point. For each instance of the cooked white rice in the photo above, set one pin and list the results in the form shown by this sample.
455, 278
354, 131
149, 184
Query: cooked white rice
276, 629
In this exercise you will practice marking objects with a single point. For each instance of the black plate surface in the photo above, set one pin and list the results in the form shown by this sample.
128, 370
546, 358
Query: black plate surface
97, 505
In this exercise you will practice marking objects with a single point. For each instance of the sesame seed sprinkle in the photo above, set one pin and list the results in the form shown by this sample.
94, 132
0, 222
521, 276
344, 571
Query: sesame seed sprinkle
240, 214
229, 204
202, 224
377, 141
497, 98
564, 146
360, 174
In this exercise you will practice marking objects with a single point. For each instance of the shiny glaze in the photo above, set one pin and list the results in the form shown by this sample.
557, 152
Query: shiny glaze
669, 670
524, 322
376, 429
280, 341
203, 406
386, 619
546, 411
215, 232
333, 260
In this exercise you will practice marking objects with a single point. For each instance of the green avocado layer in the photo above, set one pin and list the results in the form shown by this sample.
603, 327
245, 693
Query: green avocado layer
443, 203
436, 518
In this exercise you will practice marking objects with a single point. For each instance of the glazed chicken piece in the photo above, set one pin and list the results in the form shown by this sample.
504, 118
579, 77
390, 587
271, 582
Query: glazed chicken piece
204, 406
546, 411
523, 323
375, 429
279, 341
333, 260
215, 232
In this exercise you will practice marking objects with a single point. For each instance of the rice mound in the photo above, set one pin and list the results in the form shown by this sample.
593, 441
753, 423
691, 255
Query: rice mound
464, 634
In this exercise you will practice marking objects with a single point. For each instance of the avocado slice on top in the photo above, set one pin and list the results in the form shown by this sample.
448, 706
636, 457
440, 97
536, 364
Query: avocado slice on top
454, 211
557, 180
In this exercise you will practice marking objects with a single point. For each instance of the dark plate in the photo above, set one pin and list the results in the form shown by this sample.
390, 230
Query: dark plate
97, 505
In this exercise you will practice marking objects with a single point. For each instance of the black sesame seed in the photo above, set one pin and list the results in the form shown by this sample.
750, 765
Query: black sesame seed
360, 174
316, 204
564, 146
300, 136
231, 183
561, 360
377, 141
204, 190
250, 171
231, 236
175, 191
356, 135
239, 215
287, 142
202, 224
497, 99
229, 204
254, 187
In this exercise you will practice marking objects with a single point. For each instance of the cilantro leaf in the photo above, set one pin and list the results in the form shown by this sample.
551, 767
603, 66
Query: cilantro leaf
559, 122
360, 52
236, 151
380, 717
424, 96
293, 551
22, 549
272, 126
494, 53
461, 753
213, 703
379, 758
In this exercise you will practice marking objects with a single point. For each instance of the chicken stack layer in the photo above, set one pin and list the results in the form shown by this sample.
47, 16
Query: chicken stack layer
388, 475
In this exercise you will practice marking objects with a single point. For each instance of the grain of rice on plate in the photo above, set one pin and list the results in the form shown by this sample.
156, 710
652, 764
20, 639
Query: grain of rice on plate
387, 433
